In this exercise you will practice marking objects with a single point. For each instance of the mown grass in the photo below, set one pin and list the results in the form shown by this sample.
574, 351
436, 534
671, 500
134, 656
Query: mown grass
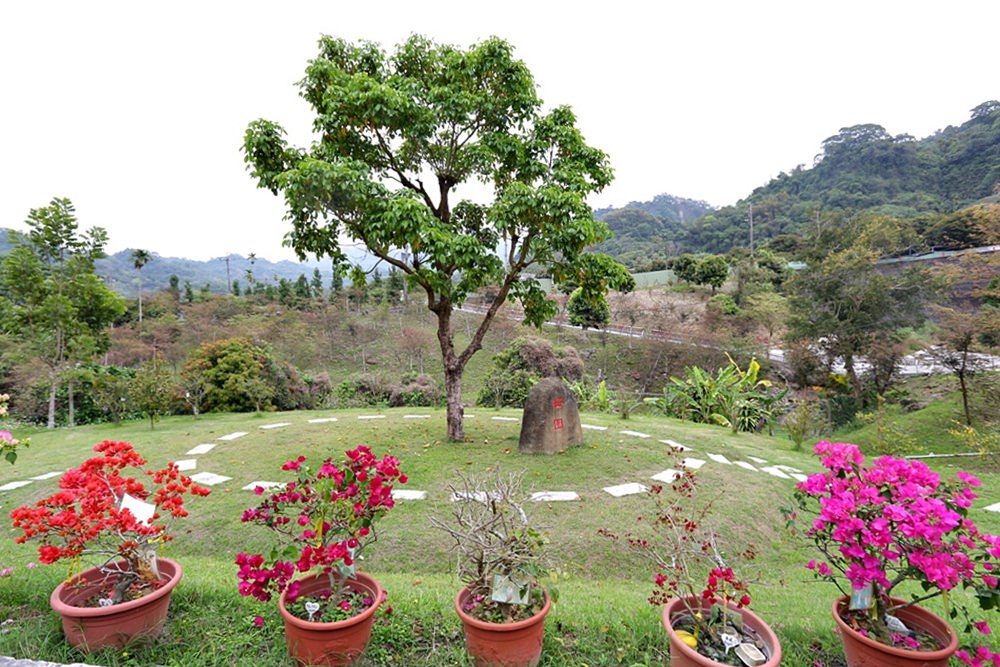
602, 617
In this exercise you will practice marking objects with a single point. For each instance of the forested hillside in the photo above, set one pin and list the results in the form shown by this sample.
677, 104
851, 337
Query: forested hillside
646, 233
944, 183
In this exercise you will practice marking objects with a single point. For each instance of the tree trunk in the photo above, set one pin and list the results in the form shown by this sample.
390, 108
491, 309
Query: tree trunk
52, 404
71, 405
965, 390
456, 413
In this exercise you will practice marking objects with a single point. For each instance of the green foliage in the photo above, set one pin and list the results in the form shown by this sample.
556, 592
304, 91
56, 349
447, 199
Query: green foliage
521, 365
235, 375
712, 271
383, 123
152, 390
734, 398
723, 304
592, 313
803, 421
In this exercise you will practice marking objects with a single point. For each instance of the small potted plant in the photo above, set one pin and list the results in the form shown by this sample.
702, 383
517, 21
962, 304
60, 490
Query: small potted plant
894, 525
323, 520
114, 510
705, 602
501, 561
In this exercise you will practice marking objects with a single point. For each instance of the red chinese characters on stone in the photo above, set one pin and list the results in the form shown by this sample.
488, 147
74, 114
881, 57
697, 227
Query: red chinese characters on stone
557, 424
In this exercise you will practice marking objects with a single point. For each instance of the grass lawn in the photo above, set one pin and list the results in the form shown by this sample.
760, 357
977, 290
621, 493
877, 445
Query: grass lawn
602, 617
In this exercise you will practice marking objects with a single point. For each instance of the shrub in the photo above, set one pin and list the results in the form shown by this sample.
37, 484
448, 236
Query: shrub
520, 366
363, 389
237, 375
416, 391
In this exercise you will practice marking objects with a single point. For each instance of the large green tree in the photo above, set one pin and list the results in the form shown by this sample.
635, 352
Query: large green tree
396, 135
55, 305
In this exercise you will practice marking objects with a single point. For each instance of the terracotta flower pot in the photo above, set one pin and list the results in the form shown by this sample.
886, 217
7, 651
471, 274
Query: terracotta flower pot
682, 655
516, 644
337, 644
93, 628
861, 651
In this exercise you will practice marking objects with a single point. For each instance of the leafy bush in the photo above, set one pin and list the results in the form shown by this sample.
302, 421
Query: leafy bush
520, 366
237, 375
363, 389
416, 391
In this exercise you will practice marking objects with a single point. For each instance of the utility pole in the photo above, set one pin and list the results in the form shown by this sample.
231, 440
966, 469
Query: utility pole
229, 282
751, 229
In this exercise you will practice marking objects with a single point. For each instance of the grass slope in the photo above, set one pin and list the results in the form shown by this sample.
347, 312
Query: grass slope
602, 617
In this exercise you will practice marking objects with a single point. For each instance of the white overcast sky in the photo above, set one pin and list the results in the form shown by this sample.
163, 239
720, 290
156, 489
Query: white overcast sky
136, 110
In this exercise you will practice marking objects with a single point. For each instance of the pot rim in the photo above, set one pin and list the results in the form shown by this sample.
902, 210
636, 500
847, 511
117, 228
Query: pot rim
65, 609
939, 654
500, 627
360, 577
758, 624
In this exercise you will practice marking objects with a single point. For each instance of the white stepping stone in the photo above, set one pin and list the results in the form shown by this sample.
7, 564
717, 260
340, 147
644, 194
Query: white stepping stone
669, 476
322, 420
505, 419
48, 475
470, 416
200, 449
371, 416
554, 496
744, 464
625, 489
186, 464
995, 507
694, 464
799, 476
232, 436
636, 434
773, 470
416, 416
757, 460
252, 486
10, 486
268, 427
676, 445
209, 478
788, 468
462, 496
719, 458
408, 494
591, 427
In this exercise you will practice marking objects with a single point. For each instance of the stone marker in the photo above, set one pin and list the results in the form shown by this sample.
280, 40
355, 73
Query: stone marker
551, 419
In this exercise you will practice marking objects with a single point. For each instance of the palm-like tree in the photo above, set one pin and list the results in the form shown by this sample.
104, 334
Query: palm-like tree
139, 259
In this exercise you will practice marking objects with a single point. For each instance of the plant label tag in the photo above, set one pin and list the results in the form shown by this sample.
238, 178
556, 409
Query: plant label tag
507, 591
729, 641
311, 609
896, 625
105, 602
140, 509
861, 599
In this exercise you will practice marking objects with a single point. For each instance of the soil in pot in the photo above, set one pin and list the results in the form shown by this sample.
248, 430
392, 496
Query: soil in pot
754, 637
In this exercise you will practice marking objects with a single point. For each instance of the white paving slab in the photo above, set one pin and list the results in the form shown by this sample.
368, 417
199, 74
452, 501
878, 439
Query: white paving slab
408, 494
416, 416
371, 416
757, 460
773, 470
232, 436
636, 434
268, 427
252, 486
209, 478
744, 464
10, 486
505, 419
592, 427
322, 420
186, 464
48, 475
625, 489
799, 476
470, 416
554, 496
719, 458
669, 476
788, 468
995, 507
479, 496
200, 449
694, 464
676, 445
